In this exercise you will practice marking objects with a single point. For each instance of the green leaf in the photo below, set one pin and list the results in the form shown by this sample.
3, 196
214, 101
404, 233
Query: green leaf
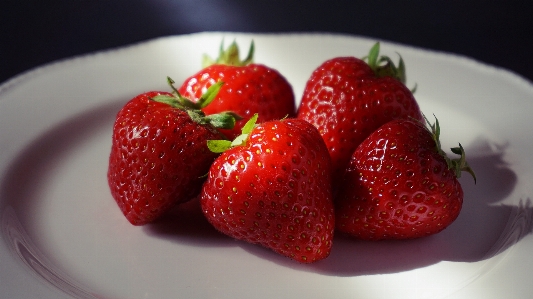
223, 120
250, 124
230, 56
218, 146
457, 166
401, 75
197, 116
176, 100
373, 56
461, 164
170, 83
240, 140
169, 100
457, 150
207, 61
437, 130
209, 95
250, 57
413, 90
383, 66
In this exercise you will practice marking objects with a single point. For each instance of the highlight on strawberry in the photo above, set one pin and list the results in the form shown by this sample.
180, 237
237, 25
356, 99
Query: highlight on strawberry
271, 186
400, 184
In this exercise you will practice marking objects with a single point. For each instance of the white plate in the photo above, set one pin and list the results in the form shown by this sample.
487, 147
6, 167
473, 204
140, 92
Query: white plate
62, 235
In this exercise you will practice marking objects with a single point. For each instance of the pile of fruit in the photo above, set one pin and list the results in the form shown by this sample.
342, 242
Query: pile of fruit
356, 157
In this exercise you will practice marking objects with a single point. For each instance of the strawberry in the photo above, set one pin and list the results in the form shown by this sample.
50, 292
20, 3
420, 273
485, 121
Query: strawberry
347, 98
159, 153
400, 185
249, 88
273, 188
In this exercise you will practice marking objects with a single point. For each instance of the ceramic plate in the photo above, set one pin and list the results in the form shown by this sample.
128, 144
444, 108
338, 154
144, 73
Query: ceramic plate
62, 234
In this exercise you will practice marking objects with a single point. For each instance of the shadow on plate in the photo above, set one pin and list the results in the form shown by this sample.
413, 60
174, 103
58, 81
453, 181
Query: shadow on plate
186, 225
483, 229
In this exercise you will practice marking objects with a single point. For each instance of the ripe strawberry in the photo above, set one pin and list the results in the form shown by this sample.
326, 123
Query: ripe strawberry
400, 185
159, 153
273, 188
249, 88
347, 99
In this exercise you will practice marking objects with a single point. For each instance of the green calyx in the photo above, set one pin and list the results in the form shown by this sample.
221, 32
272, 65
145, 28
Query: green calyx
456, 165
383, 66
219, 146
230, 56
223, 120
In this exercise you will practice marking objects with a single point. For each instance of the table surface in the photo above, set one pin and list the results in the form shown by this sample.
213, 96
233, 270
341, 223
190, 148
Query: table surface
33, 33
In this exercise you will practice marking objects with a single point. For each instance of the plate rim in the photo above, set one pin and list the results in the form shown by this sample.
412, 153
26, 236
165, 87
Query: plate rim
18, 80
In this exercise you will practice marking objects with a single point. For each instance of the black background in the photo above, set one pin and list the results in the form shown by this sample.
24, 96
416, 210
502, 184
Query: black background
33, 33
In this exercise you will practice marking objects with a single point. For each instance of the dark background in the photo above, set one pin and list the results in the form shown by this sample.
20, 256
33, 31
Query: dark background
33, 33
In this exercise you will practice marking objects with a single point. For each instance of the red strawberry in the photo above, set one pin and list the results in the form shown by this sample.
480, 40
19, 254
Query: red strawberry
249, 88
347, 99
274, 190
400, 185
159, 154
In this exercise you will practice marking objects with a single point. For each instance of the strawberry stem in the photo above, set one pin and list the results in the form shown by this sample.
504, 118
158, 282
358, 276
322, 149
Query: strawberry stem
383, 65
456, 165
460, 165
223, 120
219, 146
230, 56
177, 100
